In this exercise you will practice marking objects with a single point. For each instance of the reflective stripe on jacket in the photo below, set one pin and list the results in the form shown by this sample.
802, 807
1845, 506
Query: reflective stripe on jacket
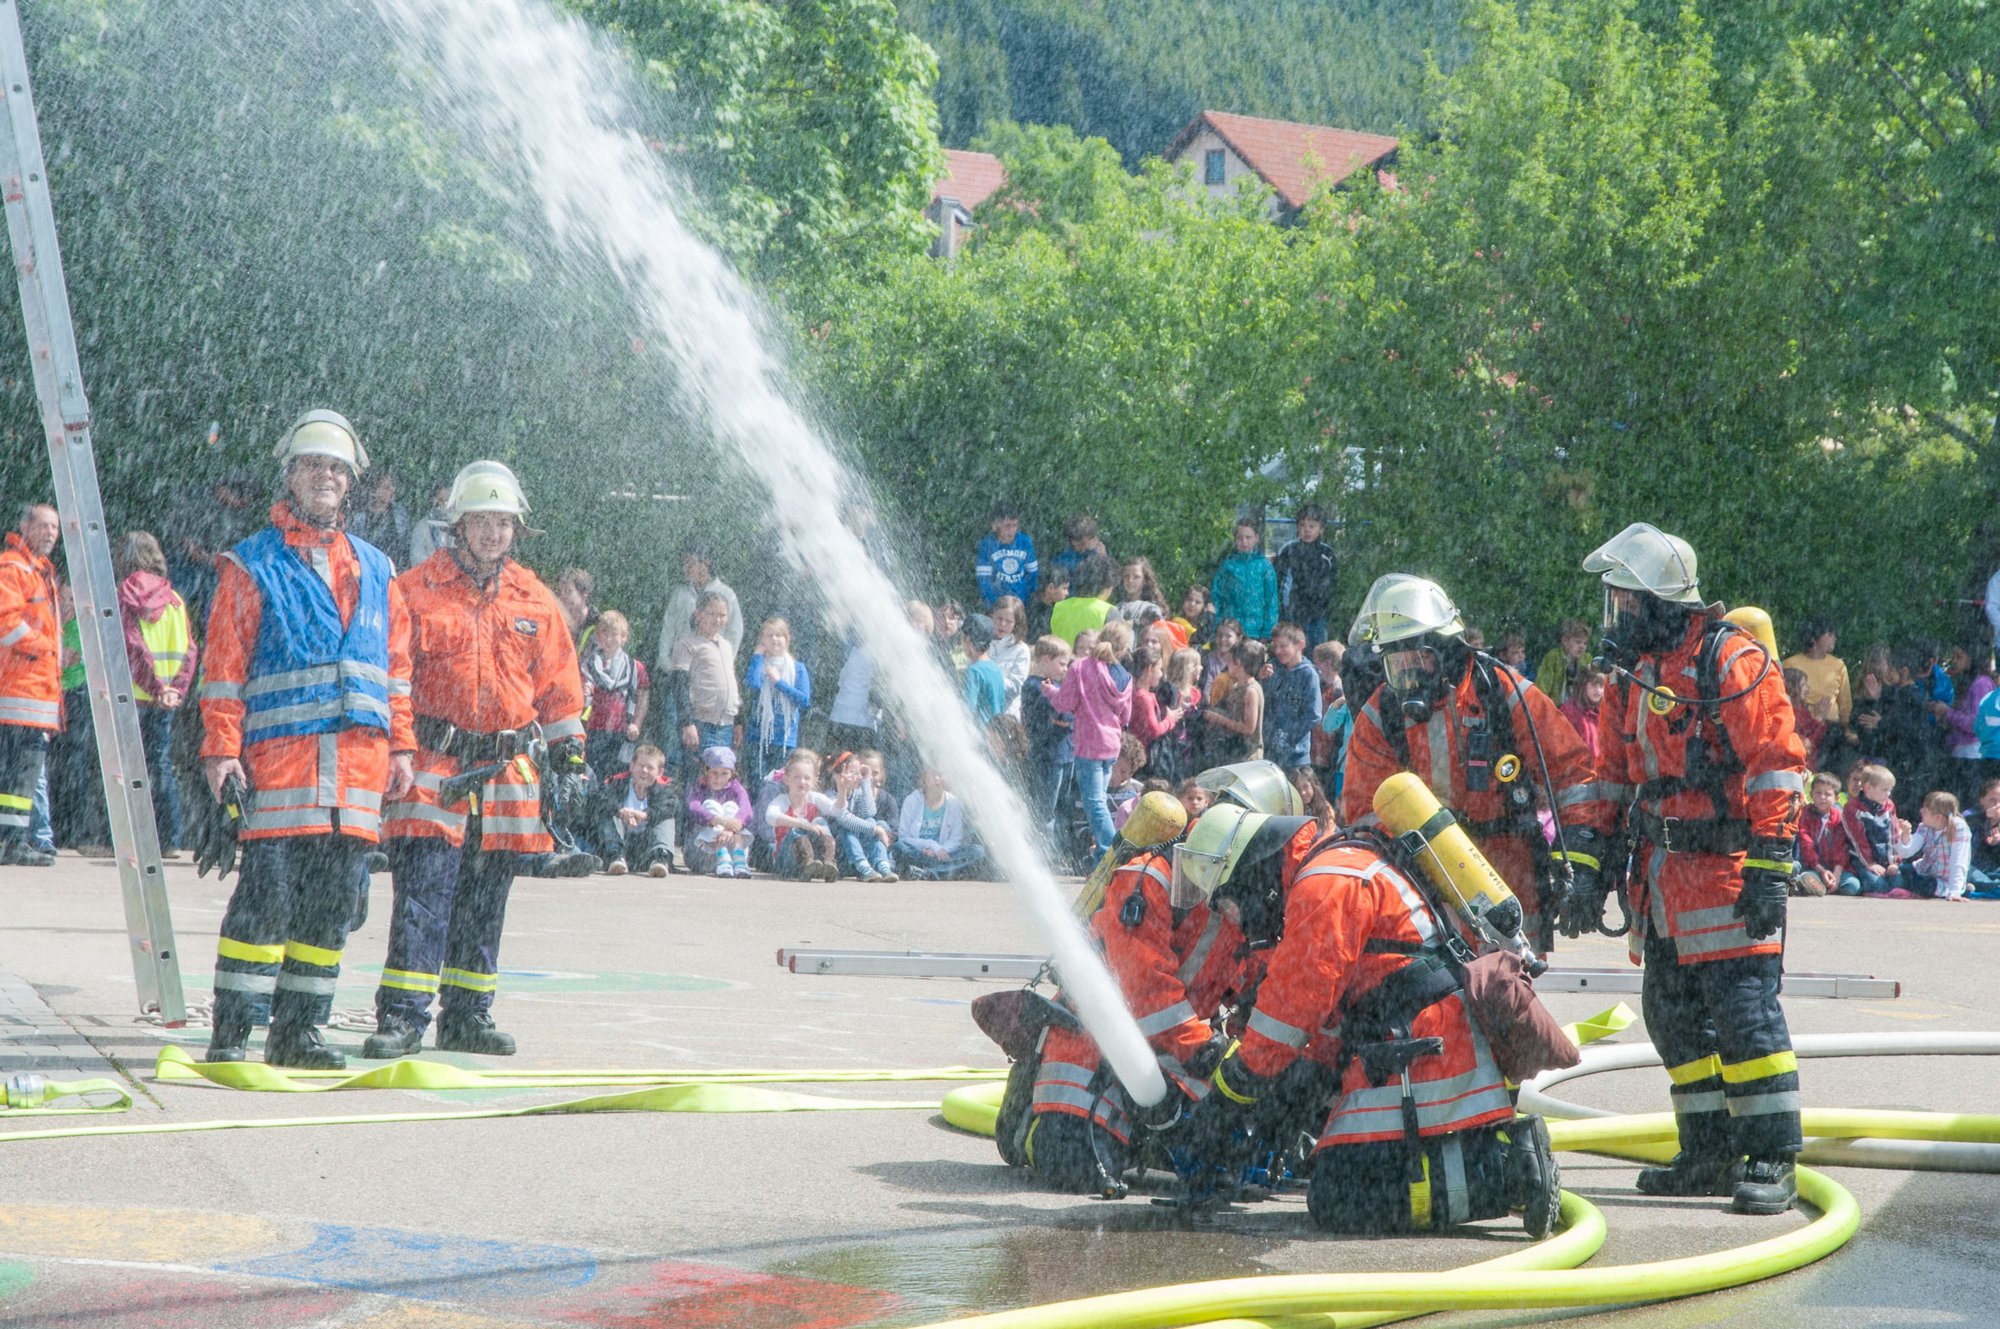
169, 646
30, 639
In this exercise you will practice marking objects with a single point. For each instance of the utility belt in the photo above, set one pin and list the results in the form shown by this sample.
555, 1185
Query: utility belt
1376, 1030
447, 739
1691, 835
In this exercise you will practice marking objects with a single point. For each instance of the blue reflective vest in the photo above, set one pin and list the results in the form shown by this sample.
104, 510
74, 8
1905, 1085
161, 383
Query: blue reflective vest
309, 675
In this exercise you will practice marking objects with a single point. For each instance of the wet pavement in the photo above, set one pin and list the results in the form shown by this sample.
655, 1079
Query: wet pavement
805, 1219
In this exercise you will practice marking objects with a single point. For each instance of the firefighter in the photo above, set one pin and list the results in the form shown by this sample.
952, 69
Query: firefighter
1697, 736
1419, 1131
305, 695
493, 674
30, 676
1480, 737
1176, 968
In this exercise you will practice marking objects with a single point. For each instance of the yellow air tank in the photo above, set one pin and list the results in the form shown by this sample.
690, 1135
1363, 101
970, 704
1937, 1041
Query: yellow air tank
1758, 624
1157, 820
1453, 865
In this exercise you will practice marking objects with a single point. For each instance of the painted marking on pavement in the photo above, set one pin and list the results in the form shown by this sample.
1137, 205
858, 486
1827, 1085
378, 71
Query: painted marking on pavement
426, 1265
683, 1294
148, 1235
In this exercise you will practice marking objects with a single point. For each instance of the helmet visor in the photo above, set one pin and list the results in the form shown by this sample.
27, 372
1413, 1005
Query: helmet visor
1410, 671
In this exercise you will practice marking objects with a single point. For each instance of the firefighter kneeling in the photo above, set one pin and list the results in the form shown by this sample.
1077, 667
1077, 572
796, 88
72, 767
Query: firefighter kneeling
1420, 1132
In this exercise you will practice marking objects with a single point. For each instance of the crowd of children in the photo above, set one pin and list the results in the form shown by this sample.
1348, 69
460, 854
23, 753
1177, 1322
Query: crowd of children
1092, 688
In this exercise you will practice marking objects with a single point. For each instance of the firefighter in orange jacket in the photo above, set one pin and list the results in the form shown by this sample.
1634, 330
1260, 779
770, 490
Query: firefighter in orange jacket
1420, 1131
1176, 968
30, 676
307, 686
493, 668
1697, 737
1474, 731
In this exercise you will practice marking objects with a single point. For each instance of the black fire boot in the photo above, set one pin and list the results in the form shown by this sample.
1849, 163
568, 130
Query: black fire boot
472, 1031
392, 1039
298, 1045
1537, 1178
1689, 1174
1770, 1185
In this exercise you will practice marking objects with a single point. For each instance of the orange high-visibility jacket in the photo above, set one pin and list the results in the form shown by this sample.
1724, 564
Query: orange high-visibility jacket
1438, 758
1174, 977
1691, 897
1337, 899
30, 639
299, 781
487, 659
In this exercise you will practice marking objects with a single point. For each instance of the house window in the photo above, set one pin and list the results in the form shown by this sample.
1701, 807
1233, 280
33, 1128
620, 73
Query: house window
1211, 167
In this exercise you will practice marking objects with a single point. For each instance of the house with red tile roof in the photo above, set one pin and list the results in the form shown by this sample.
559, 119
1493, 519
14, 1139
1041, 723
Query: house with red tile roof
1292, 159
970, 178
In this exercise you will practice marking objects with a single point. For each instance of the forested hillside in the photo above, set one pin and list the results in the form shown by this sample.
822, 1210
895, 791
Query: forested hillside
1135, 71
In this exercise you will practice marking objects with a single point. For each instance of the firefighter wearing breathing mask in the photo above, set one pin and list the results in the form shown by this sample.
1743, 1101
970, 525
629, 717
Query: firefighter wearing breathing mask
1362, 991
1482, 738
493, 670
1696, 735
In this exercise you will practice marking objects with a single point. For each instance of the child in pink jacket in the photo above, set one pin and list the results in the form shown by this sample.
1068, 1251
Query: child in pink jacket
1097, 693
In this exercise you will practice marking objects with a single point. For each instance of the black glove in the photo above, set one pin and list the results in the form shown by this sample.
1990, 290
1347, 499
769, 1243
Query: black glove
1208, 1056
215, 828
566, 757
1579, 902
569, 778
1767, 884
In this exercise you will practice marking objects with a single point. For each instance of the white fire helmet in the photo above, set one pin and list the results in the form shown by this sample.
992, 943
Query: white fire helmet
486, 486
1642, 557
322, 434
1399, 606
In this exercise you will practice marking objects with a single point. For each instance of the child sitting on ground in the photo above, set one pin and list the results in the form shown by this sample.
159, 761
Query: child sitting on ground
862, 838
636, 811
931, 841
719, 810
802, 835
1823, 849
1938, 854
614, 696
1870, 822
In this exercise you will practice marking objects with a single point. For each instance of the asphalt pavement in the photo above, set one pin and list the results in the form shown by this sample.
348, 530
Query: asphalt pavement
784, 1220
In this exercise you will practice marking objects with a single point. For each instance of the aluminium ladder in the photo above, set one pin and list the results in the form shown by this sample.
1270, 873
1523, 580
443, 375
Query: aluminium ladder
51, 338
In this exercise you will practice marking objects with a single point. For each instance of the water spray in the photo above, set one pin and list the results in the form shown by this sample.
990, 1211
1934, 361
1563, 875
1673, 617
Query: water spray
538, 94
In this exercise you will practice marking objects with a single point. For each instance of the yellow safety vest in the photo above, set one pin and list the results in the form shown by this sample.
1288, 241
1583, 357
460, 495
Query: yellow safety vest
166, 638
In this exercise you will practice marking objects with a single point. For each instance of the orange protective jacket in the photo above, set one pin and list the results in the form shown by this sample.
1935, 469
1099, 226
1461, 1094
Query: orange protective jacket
1643, 745
1338, 898
30, 639
299, 781
1438, 757
1174, 974
487, 659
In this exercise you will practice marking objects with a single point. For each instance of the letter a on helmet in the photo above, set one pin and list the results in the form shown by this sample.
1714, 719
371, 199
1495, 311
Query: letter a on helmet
1642, 557
486, 486
323, 434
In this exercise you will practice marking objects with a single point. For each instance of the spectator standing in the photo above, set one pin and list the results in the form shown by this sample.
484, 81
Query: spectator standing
76, 795
1244, 587
432, 531
1908, 737
1306, 572
1215, 660
209, 521
576, 595
1087, 610
1581, 708
1561, 672
1009, 652
380, 519
1824, 852
30, 676
1172, 755
930, 838
1291, 700
948, 621
677, 620
636, 810
702, 678
864, 840
159, 645
1829, 695
854, 719
780, 691
1138, 590
1236, 723
616, 692
1050, 752
1081, 531
1329, 736
1513, 651
1007, 563
984, 686
1053, 590
1156, 710
1097, 694
1196, 618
